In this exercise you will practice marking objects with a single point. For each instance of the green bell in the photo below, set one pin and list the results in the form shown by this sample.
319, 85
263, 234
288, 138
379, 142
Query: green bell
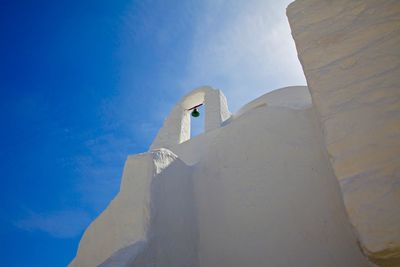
195, 113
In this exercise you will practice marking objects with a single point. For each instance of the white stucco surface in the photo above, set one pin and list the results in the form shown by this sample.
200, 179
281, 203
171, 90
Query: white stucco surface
350, 53
256, 191
266, 195
127, 218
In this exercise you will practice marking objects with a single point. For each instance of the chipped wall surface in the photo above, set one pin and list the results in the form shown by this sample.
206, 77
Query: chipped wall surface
350, 53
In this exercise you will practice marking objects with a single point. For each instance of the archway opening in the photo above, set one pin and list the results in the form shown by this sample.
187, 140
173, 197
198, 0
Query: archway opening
197, 123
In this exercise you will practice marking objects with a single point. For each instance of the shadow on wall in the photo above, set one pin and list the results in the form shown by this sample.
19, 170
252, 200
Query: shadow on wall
172, 234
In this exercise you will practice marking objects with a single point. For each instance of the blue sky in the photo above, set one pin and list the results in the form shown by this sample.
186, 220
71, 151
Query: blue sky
85, 83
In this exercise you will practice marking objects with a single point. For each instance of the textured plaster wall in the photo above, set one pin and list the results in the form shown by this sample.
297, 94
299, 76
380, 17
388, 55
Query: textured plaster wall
150, 197
171, 240
258, 191
350, 53
266, 195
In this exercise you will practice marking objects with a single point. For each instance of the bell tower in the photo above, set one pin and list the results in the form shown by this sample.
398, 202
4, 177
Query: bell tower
176, 128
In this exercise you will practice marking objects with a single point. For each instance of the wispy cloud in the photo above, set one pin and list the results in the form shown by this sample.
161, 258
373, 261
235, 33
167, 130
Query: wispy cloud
245, 48
59, 224
242, 47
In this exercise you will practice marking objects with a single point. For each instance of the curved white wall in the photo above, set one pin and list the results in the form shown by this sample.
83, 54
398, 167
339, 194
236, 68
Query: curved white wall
267, 196
258, 191
350, 53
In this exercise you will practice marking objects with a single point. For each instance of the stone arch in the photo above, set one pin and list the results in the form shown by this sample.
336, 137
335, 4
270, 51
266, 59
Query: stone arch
176, 127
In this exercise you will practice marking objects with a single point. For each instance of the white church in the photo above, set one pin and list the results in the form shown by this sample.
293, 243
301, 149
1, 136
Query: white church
301, 176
